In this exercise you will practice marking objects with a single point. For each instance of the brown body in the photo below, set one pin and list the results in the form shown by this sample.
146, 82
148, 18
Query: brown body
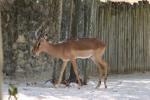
71, 50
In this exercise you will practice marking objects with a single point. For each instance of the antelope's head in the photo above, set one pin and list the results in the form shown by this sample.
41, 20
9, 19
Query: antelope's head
40, 45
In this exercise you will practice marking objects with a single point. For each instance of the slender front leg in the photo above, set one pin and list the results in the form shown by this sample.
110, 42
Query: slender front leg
62, 71
76, 71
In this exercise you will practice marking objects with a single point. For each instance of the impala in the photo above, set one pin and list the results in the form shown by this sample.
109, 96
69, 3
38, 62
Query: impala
71, 50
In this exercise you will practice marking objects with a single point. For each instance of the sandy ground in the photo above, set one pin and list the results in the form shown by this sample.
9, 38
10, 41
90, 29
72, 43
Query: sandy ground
120, 87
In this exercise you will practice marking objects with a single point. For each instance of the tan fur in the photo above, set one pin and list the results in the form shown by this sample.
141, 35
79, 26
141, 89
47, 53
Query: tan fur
71, 50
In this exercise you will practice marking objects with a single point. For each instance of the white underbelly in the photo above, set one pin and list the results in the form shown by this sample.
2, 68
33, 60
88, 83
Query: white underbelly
84, 54
84, 57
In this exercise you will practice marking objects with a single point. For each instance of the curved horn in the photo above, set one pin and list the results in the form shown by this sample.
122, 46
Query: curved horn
36, 35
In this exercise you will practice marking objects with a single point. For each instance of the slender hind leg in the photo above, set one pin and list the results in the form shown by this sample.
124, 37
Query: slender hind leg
104, 68
99, 71
75, 68
100, 76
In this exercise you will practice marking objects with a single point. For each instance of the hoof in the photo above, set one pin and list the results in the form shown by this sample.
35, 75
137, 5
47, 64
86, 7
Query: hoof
56, 85
79, 87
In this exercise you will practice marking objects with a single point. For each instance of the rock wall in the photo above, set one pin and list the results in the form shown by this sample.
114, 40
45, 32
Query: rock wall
19, 22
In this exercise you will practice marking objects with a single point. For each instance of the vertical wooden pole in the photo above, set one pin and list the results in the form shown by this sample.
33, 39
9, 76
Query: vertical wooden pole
60, 16
85, 65
1, 59
75, 6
